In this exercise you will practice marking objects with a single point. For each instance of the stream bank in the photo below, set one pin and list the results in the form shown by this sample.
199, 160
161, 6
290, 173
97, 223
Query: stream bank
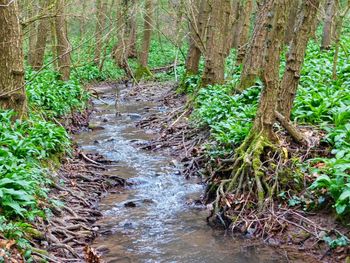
293, 232
159, 216
77, 186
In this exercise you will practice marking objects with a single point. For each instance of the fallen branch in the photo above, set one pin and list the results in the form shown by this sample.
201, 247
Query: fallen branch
293, 131
89, 160
165, 68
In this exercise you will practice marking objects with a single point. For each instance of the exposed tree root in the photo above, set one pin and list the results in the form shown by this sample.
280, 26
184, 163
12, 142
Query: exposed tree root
67, 233
248, 173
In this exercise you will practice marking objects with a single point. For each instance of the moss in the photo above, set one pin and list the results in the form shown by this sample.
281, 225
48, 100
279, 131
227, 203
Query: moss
247, 171
141, 72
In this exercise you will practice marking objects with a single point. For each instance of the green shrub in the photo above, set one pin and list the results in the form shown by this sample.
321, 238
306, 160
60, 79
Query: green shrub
229, 117
53, 97
22, 145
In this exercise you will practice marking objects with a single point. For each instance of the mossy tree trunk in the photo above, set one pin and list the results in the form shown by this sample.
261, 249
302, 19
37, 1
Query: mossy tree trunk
63, 46
265, 117
247, 174
216, 41
12, 90
42, 34
82, 25
146, 42
303, 30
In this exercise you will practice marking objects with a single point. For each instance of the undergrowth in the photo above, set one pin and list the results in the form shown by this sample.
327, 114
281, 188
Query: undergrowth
321, 102
27, 146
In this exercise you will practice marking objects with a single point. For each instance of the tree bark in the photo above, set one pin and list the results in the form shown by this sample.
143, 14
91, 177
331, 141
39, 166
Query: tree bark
42, 34
32, 30
121, 51
146, 42
304, 29
236, 23
12, 90
133, 30
82, 27
276, 20
216, 41
329, 24
53, 41
197, 18
337, 34
254, 59
63, 45
101, 8
243, 27
248, 175
292, 18
147, 33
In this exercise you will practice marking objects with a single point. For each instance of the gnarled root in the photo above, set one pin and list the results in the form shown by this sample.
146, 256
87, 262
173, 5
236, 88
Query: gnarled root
254, 176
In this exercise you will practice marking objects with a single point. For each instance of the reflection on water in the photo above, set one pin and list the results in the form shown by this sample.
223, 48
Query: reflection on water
150, 221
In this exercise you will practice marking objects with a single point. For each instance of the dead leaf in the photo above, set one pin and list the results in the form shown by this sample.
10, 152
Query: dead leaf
91, 255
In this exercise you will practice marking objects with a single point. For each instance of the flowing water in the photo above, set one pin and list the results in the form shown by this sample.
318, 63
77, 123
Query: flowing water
152, 220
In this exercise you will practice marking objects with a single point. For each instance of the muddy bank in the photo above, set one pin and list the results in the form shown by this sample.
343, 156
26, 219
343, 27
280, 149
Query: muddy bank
296, 233
78, 185
79, 181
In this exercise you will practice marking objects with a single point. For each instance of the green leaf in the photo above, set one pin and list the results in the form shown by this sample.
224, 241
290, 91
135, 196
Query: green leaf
345, 194
340, 208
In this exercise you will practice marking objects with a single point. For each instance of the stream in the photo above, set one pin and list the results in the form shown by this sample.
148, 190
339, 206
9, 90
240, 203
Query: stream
154, 219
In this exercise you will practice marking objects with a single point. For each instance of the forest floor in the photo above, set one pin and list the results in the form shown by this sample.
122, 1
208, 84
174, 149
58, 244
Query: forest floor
81, 182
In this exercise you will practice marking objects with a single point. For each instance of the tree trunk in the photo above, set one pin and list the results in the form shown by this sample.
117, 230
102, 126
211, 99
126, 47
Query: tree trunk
248, 174
101, 8
197, 15
63, 45
220, 12
236, 23
255, 54
243, 27
82, 27
304, 29
337, 34
42, 34
292, 18
265, 117
121, 50
32, 30
146, 42
53, 41
193, 58
133, 30
329, 24
12, 90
